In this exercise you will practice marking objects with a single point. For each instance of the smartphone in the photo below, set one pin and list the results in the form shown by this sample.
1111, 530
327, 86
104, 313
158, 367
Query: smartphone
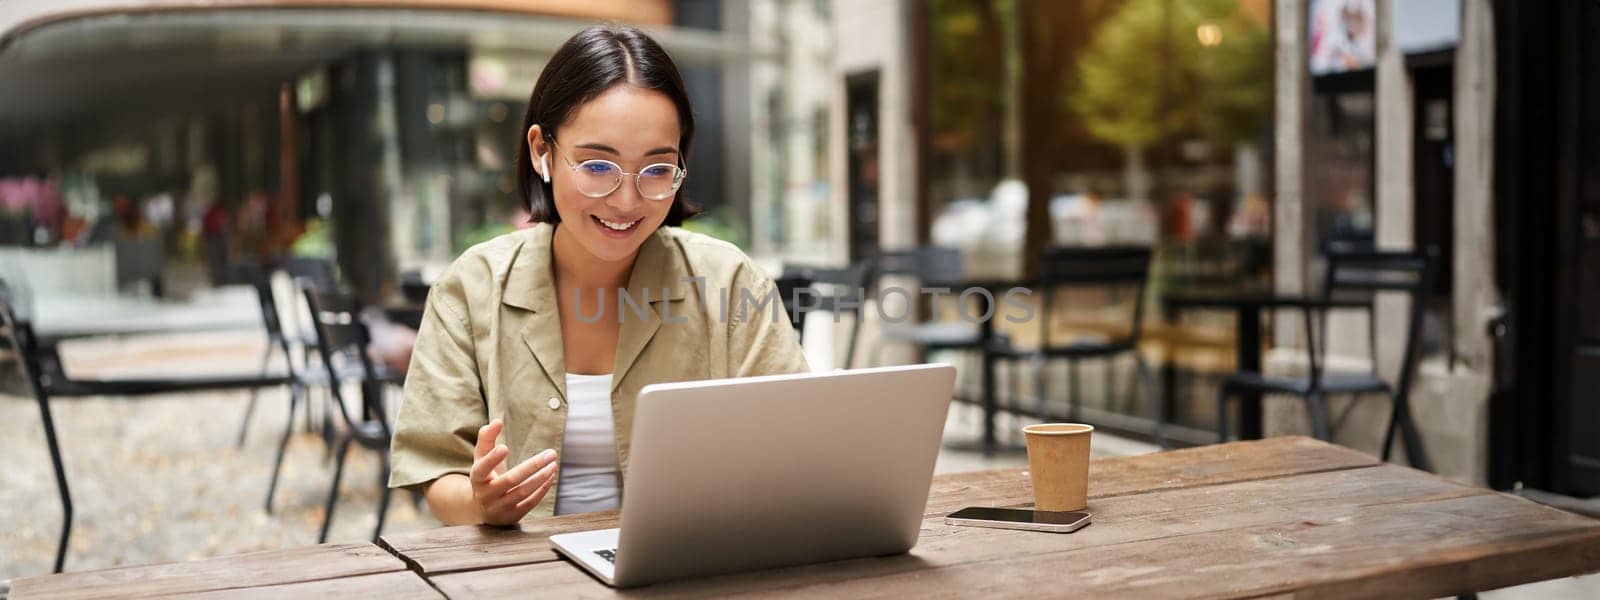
1019, 518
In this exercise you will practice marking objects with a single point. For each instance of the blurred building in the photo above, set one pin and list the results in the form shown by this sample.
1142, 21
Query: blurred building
378, 132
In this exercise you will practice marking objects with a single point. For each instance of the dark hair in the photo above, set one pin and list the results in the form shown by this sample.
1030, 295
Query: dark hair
591, 62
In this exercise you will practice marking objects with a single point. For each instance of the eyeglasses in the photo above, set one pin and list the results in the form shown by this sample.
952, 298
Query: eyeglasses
598, 178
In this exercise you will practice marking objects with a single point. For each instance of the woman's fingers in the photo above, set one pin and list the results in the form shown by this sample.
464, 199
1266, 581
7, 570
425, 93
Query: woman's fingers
527, 504
526, 486
486, 467
540, 479
521, 472
486, 438
509, 513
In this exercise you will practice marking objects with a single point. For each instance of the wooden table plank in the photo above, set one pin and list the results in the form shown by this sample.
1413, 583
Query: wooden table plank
1392, 550
255, 569
399, 585
1190, 467
1430, 548
452, 549
1119, 520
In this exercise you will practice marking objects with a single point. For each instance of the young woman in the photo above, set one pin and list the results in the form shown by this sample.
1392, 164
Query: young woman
534, 345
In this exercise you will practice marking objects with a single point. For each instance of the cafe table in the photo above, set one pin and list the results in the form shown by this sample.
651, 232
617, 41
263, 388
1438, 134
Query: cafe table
1280, 517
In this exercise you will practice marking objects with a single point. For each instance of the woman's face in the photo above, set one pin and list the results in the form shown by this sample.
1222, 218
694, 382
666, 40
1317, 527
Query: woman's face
629, 126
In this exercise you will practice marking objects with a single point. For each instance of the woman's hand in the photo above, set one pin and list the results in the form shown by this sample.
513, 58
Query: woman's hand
503, 496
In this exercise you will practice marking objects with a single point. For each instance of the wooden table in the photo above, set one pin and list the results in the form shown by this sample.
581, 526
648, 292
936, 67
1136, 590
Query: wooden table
360, 570
1282, 516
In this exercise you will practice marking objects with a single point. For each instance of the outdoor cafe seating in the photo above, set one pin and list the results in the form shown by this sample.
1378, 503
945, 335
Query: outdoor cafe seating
336, 336
1353, 278
47, 379
1116, 270
832, 290
931, 267
343, 336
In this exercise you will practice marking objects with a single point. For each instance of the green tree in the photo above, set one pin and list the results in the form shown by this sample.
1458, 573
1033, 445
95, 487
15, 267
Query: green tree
1219, 90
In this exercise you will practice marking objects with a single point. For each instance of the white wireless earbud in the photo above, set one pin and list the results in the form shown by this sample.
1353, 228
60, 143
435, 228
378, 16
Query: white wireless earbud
544, 167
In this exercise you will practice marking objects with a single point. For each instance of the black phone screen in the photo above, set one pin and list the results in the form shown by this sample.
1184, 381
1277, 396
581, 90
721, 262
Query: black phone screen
1019, 515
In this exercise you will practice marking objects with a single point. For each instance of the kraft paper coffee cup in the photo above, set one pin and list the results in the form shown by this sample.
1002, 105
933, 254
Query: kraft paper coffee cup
1058, 462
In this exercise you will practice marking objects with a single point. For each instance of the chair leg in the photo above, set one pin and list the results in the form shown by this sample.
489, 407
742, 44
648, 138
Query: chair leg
1318, 412
60, 468
850, 351
333, 489
311, 423
1041, 407
1222, 414
1158, 411
1072, 390
988, 404
1111, 395
1416, 454
1015, 383
1388, 434
383, 497
283, 443
328, 433
250, 407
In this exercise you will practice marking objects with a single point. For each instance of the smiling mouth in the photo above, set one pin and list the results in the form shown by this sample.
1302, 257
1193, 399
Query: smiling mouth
617, 225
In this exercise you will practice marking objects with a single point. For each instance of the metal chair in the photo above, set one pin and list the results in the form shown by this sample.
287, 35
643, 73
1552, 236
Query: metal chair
838, 290
321, 272
261, 279
793, 289
341, 335
931, 266
42, 369
1110, 268
1354, 275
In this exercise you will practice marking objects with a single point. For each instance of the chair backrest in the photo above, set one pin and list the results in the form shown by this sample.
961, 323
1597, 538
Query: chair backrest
794, 290
414, 287
253, 274
1107, 267
140, 259
319, 272
1094, 266
825, 283
1360, 273
928, 264
336, 319
1366, 271
838, 290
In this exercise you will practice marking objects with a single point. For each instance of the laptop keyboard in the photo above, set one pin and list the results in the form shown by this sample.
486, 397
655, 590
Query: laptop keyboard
610, 555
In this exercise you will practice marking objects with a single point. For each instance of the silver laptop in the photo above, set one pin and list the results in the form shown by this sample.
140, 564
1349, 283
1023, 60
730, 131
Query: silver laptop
742, 474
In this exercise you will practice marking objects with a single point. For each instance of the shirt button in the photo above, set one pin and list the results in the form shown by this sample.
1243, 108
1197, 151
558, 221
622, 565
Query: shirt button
555, 403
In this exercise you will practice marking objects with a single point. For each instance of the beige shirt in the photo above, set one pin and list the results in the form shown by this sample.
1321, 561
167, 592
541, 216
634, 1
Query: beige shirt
490, 345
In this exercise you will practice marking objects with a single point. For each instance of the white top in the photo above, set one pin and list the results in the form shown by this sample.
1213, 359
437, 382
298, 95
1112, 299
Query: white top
588, 479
